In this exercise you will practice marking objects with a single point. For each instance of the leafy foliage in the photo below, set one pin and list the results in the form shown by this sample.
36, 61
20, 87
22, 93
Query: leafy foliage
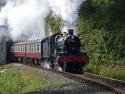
102, 1
103, 37
54, 23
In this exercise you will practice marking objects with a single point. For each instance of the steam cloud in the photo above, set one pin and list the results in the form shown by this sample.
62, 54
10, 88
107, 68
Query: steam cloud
26, 18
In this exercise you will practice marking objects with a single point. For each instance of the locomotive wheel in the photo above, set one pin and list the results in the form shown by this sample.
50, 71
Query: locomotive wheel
58, 68
67, 67
80, 70
19, 60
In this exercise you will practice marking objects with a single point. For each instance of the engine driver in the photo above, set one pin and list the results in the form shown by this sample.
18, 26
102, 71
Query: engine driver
64, 34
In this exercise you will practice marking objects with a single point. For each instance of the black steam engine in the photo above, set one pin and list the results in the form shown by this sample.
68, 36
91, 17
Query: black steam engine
51, 52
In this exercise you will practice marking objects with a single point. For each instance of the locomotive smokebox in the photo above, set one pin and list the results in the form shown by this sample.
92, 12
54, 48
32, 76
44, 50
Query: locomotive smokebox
2, 45
70, 31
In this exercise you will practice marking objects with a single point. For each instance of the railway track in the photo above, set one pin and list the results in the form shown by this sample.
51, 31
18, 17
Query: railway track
110, 84
91, 80
117, 85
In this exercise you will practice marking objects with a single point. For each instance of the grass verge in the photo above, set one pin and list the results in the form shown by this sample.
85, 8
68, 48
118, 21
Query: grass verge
116, 72
16, 81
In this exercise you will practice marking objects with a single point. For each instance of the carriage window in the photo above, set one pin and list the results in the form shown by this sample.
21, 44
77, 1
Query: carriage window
27, 50
15, 49
23, 49
37, 47
12, 48
32, 48
20, 48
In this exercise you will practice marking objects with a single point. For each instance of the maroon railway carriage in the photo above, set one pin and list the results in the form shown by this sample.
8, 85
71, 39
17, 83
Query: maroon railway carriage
29, 51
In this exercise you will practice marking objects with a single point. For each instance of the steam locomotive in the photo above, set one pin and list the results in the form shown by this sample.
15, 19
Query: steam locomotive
50, 53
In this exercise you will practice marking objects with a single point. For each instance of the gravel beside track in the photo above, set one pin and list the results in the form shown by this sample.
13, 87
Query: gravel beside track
69, 87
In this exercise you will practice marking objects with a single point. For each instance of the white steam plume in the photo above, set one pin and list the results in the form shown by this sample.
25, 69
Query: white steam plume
26, 18
66, 9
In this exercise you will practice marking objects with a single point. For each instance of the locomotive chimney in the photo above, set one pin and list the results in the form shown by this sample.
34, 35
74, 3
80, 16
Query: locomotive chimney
70, 31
